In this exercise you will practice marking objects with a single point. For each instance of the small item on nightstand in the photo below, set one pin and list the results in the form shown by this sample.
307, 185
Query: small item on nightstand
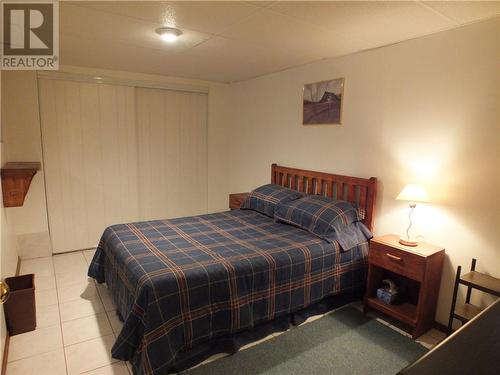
388, 293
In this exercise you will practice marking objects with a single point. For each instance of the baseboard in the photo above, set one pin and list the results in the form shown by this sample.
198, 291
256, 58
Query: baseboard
5, 356
441, 327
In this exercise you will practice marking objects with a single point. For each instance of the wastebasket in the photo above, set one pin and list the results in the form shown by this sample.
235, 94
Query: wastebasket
20, 311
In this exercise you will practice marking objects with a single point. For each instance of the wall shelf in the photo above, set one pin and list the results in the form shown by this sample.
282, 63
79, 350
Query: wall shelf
16, 180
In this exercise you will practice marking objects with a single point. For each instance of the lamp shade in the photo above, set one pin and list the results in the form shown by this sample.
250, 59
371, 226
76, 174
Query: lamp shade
413, 193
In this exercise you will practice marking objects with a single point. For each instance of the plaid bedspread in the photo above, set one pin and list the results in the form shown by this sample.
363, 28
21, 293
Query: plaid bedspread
180, 282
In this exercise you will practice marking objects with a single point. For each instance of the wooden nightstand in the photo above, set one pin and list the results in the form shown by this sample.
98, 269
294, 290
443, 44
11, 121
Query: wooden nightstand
416, 269
235, 200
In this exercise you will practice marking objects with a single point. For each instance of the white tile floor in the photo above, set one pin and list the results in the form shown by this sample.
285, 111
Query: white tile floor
77, 324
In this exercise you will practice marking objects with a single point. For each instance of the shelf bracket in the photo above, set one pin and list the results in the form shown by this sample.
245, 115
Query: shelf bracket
16, 180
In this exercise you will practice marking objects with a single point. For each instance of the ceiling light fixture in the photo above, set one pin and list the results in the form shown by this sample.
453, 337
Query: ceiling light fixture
169, 34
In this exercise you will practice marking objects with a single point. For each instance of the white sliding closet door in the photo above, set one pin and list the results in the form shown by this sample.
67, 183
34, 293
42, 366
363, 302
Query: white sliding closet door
172, 152
115, 154
90, 159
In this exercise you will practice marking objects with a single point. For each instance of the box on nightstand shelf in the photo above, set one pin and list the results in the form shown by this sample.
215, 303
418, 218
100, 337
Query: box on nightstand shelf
387, 296
416, 271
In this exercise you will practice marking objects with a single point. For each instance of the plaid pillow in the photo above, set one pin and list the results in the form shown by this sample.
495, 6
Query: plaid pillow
264, 199
329, 219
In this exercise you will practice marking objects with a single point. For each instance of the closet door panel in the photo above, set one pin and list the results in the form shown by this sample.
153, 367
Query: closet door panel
53, 120
172, 150
90, 154
92, 172
193, 145
118, 153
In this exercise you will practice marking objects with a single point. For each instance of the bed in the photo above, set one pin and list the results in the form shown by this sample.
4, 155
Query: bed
183, 284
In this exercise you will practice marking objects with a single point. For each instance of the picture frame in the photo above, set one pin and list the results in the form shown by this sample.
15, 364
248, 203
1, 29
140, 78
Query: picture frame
323, 102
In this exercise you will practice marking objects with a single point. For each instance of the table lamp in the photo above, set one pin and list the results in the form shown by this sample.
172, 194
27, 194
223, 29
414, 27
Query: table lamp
412, 194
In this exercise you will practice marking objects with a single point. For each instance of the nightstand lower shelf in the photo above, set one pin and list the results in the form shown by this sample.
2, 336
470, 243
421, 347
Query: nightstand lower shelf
404, 312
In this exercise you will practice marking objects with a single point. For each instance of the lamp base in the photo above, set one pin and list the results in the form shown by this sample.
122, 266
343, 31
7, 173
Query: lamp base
408, 243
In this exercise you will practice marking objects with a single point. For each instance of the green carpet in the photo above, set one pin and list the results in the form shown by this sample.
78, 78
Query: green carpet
343, 342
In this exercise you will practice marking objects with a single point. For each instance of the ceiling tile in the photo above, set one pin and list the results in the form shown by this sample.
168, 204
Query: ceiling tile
203, 16
105, 28
376, 23
274, 31
466, 11
209, 61
118, 56
225, 57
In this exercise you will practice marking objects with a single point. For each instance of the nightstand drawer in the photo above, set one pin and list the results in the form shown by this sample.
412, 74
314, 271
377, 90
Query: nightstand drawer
401, 262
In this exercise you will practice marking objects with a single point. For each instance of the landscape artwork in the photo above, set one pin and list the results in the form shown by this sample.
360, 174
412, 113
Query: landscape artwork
323, 102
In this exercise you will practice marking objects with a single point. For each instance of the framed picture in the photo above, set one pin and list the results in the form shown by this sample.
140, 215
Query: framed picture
323, 102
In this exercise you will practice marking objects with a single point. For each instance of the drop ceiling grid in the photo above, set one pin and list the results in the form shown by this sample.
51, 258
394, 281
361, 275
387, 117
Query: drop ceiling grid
234, 41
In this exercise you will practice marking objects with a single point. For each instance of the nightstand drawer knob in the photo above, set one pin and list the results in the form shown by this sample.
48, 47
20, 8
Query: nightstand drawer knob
394, 257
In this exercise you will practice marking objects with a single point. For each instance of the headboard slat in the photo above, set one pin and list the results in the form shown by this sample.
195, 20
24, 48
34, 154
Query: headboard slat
300, 184
362, 196
340, 191
329, 191
324, 188
314, 185
309, 185
360, 191
351, 193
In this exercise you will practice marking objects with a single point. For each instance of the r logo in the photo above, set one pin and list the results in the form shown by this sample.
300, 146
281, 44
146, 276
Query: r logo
30, 35
28, 29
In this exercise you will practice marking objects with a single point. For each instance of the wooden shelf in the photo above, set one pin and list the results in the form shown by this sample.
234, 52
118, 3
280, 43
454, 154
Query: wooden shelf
467, 311
481, 281
405, 312
16, 180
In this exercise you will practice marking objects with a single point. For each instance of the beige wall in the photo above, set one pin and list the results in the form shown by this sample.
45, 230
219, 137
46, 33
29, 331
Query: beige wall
219, 141
21, 132
425, 111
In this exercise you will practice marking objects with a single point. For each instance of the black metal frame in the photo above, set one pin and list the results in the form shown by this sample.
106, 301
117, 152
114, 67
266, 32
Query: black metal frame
458, 281
454, 301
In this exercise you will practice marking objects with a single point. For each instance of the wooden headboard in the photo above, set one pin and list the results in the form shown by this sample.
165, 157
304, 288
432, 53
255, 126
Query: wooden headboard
360, 191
